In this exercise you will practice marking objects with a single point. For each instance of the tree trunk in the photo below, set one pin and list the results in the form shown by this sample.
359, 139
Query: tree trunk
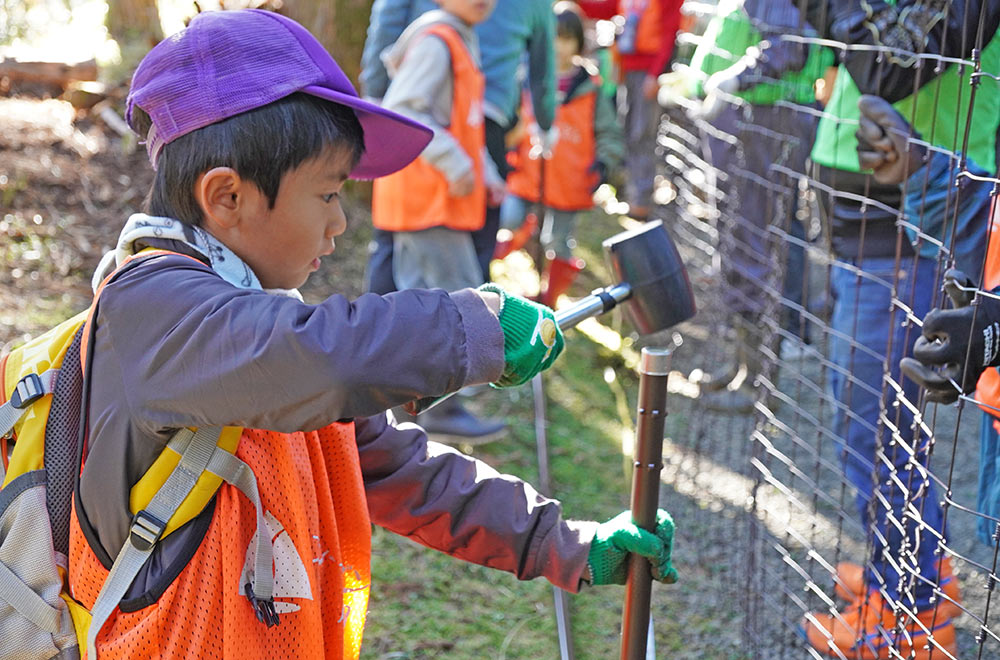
340, 25
130, 21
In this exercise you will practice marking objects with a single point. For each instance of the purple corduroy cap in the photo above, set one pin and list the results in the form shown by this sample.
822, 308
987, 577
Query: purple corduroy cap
228, 62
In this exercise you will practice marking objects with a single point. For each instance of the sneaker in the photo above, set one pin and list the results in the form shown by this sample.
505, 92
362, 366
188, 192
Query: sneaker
866, 630
449, 422
850, 585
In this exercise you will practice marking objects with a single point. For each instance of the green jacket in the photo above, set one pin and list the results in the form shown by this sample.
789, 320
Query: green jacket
786, 73
939, 111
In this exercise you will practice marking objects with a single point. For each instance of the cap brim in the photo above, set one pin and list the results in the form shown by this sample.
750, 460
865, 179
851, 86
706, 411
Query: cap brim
392, 141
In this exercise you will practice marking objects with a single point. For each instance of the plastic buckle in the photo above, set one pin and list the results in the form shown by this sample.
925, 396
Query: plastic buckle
28, 390
264, 609
146, 530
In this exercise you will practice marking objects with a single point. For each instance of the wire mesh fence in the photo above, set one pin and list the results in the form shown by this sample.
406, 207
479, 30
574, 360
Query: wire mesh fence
867, 510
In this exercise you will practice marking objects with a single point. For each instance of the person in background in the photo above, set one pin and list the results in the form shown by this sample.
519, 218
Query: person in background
643, 49
433, 205
757, 92
516, 30
879, 282
588, 144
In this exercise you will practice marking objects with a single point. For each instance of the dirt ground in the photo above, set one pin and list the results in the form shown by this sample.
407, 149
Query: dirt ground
67, 184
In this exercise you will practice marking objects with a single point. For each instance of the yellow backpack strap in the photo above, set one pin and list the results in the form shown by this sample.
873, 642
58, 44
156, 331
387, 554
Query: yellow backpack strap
199, 453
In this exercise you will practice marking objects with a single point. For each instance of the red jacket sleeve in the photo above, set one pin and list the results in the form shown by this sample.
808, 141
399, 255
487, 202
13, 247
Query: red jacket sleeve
670, 20
599, 9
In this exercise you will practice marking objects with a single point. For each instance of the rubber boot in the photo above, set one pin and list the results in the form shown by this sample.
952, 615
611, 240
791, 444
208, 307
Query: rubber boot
559, 276
518, 238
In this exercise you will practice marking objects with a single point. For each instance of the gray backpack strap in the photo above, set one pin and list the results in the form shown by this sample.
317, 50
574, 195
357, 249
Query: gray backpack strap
148, 526
29, 389
199, 453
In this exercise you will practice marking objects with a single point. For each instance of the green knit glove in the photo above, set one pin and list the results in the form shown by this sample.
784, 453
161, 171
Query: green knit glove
531, 338
618, 538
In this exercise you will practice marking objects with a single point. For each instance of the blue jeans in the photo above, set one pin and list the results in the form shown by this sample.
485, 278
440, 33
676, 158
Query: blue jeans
864, 326
988, 499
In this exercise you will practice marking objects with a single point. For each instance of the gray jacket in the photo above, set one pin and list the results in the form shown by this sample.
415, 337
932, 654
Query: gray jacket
175, 345
422, 89
516, 31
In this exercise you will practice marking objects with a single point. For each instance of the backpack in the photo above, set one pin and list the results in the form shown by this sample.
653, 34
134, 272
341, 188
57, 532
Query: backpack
42, 418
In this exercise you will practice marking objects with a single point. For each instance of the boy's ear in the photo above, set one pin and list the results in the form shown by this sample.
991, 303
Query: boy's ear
219, 193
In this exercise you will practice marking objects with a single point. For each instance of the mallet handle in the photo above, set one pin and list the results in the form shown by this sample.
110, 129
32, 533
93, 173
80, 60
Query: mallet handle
597, 303
654, 370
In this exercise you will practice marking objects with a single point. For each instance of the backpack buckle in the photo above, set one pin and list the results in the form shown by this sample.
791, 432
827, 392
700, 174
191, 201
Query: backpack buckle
146, 530
264, 609
28, 390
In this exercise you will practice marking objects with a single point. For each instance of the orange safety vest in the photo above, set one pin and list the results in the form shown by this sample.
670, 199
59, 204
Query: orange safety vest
648, 38
568, 183
988, 386
417, 196
316, 511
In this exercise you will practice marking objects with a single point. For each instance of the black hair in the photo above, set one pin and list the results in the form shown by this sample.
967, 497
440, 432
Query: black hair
569, 25
262, 145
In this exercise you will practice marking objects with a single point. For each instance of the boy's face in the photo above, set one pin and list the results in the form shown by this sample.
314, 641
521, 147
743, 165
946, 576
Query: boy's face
283, 245
472, 12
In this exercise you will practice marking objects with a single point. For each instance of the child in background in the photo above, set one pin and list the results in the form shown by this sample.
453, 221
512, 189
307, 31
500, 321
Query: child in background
589, 142
434, 205
253, 129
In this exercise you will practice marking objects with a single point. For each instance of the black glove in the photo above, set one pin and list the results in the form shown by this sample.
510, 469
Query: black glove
601, 170
886, 141
948, 336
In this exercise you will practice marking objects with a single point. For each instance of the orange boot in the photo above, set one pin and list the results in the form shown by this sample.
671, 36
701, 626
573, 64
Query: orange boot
559, 275
850, 585
866, 630
517, 238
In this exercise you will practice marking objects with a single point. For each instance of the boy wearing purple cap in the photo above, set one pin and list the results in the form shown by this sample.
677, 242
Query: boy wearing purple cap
253, 129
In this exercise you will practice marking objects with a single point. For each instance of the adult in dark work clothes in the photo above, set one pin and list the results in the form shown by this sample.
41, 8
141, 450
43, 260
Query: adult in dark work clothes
515, 28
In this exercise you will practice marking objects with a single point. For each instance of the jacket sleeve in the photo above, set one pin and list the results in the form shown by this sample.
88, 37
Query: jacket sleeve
774, 56
609, 138
388, 20
420, 89
670, 20
461, 506
542, 66
193, 350
908, 26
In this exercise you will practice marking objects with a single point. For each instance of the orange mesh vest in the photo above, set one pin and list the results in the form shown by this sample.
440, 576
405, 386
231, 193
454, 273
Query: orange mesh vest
417, 196
988, 387
316, 512
568, 184
647, 38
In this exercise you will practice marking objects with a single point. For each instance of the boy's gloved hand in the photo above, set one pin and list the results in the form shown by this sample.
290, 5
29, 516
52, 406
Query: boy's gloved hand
531, 338
939, 353
886, 141
617, 538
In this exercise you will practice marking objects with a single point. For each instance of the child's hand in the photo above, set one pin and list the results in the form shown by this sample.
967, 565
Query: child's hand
601, 170
495, 193
619, 537
531, 338
463, 186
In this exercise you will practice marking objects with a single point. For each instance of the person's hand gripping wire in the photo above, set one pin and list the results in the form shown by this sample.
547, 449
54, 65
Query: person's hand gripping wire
971, 329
